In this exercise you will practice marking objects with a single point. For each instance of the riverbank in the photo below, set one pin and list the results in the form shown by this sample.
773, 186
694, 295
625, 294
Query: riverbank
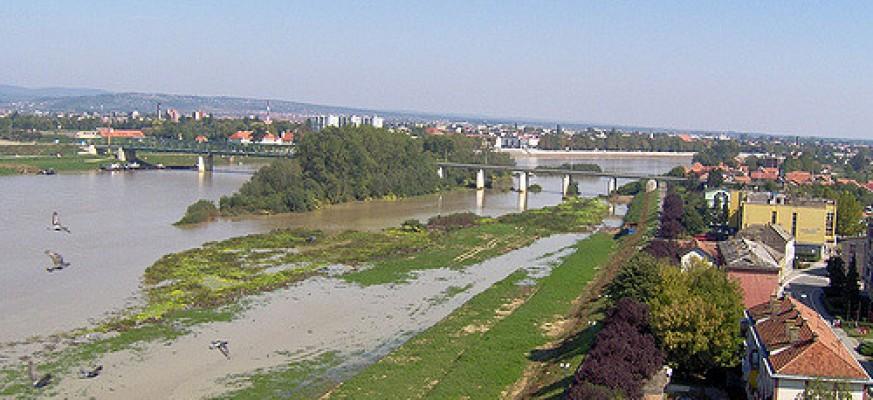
510, 339
223, 272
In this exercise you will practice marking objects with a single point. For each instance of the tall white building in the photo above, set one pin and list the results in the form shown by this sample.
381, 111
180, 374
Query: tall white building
320, 122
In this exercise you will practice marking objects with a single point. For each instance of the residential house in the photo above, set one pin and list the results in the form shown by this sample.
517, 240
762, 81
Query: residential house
754, 266
201, 138
701, 250
241, 137
270, 139
288, 137
798, 177
789, 347
765, 174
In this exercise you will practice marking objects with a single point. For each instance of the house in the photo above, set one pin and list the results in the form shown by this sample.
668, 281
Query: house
765, 174
753, 266
742, 179
789, 346
201, 139
287, 137
110, 133
241, 137
779, 243
798, 177
270, 138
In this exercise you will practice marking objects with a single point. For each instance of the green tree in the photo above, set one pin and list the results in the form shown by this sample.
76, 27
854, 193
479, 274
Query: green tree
714, 179
836, 270
820, 390
695, 316
638, 279
850, 215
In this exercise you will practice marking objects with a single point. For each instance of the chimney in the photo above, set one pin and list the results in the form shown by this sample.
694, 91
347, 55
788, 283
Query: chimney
793, 332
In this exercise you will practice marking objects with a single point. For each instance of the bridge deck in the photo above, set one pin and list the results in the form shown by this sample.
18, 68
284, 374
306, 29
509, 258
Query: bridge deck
558, 171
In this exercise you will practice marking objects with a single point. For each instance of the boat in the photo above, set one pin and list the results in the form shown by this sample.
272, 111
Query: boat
47, 171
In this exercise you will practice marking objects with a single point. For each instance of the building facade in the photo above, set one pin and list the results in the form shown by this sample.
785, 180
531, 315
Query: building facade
812, 222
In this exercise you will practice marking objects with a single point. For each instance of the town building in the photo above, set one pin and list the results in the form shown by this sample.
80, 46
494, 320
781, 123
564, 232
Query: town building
270, 138
812, 222
320, 122
110, 133
201, 139
789, 347
759, 258
241, 137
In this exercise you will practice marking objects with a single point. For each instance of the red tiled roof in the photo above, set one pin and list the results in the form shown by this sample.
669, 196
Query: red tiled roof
815, 351
799, 177
742, 179
201, 138
870, 186
269, 136
120, 133
757, 286
764, 176
239, 135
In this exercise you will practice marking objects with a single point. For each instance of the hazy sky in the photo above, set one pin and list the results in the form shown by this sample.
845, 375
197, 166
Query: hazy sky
782, 67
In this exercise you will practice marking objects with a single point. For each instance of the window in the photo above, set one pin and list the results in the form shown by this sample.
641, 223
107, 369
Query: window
794, 224
773, 217
829, 224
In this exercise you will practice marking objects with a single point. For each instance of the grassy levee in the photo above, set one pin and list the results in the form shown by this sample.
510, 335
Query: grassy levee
545, 378
482, 348
25, 165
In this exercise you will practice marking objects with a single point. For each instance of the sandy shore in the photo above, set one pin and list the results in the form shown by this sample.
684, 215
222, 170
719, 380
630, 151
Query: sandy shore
569, 154
315, 317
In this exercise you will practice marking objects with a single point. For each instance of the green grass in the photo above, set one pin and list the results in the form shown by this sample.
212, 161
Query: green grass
66, 163
478, 351
297, 380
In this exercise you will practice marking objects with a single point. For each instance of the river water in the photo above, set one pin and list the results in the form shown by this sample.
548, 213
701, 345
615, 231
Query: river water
122, 222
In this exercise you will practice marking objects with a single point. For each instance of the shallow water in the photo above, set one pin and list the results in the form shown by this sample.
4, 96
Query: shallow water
122, 222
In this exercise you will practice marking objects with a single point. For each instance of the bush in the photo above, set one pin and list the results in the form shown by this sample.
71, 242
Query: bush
201, 211
589, 391
535, 188
866, 348
630, 188
452, 221
412, 225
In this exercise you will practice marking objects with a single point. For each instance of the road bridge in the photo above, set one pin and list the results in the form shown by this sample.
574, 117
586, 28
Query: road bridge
524, 174
206, 151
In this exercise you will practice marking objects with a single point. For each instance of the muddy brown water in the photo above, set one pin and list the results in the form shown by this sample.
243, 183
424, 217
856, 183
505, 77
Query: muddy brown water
122, 222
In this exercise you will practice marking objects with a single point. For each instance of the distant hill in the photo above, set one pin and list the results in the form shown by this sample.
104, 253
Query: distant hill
80, 100
10, 93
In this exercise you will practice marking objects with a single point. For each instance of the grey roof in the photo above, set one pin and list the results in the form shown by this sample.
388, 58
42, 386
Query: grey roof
744, 254
771, 235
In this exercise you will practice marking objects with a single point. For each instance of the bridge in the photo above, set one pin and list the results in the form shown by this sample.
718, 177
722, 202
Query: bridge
206, 151
524, 174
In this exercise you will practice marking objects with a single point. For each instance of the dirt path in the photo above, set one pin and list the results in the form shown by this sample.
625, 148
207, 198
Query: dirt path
547, 375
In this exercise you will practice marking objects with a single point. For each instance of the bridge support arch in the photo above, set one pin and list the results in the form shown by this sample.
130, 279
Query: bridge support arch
480, 179
205, 163
523, 181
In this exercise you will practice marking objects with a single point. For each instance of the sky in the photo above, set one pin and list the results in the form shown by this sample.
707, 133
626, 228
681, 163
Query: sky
787, 67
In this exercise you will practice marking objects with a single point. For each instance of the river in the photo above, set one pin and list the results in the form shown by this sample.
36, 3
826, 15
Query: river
122, 222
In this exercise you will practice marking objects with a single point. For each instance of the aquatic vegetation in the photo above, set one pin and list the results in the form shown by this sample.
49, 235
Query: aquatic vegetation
294, 380
200, 211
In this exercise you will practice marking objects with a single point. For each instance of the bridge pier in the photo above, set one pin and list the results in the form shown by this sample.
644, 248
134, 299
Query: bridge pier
611, 185
651, 185
522, 200
523, 181
480, 179
441, 172
125, 155
565, 185
480, 201
205, 164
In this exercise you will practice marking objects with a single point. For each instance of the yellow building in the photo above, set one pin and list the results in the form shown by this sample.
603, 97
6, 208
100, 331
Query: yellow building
812, 222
